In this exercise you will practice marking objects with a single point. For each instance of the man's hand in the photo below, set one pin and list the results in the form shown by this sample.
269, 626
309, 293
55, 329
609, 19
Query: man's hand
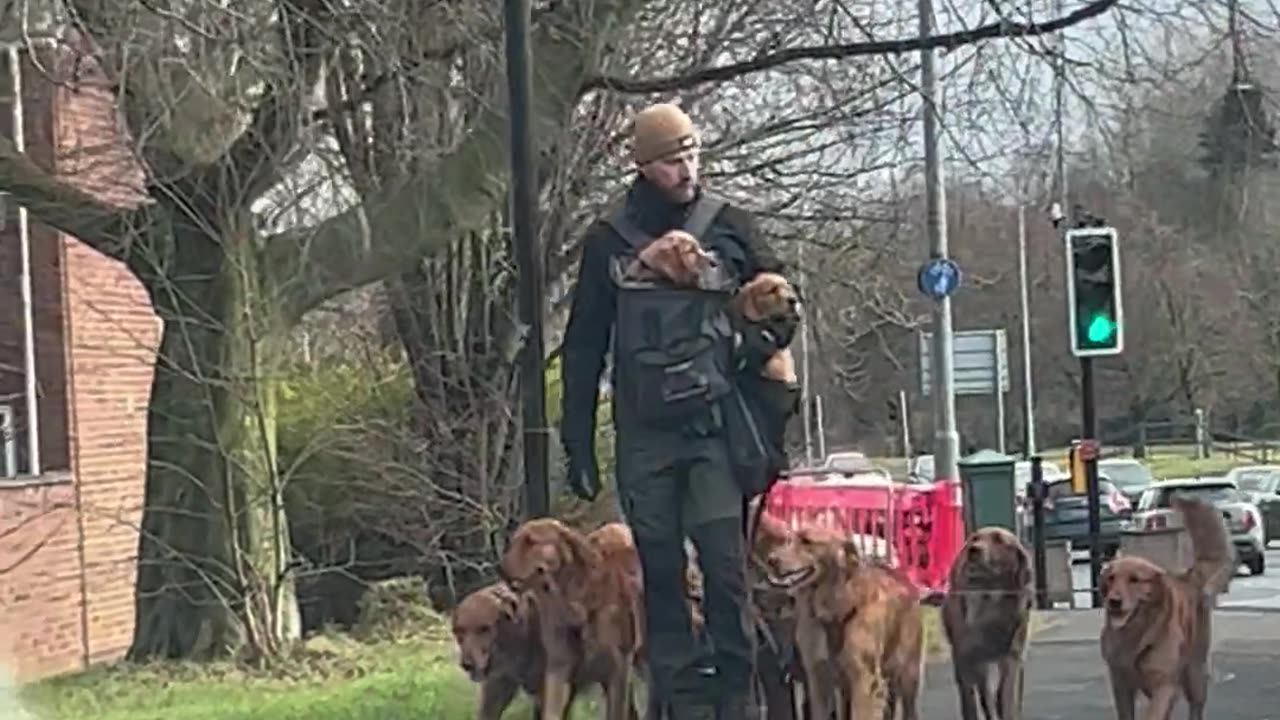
584, 473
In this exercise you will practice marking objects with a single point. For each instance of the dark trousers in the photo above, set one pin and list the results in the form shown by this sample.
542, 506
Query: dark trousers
669, 490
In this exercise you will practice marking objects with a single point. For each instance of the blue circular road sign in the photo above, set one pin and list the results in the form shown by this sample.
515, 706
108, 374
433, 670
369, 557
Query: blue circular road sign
938, 278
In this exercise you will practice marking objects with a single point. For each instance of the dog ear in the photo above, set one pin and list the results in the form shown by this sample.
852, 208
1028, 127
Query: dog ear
850, 554
509, 602
582, 556
1022, 571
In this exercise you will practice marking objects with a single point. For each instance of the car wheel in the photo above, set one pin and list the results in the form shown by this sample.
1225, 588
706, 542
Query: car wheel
1258, 565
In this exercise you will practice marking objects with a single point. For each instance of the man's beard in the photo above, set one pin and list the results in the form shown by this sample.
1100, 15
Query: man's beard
683, 192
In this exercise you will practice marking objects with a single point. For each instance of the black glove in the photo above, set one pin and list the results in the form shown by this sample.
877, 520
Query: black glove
583, 472
757, 342
783, 328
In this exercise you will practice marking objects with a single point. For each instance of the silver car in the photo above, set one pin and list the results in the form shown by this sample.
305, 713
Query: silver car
1244, 520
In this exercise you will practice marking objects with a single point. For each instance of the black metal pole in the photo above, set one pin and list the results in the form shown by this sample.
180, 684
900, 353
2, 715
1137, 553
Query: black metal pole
528, 256
1089, 431
1037, 531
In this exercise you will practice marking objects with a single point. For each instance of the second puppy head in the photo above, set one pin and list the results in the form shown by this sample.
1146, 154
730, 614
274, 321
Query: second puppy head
768, 296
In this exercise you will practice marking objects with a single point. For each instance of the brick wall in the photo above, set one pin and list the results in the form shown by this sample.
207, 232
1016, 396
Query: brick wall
113, 335
67, 600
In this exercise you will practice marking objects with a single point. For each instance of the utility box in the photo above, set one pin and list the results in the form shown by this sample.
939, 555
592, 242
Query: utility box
987, 478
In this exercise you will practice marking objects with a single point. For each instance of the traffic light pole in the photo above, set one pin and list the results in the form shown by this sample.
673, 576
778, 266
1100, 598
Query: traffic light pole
1089, 431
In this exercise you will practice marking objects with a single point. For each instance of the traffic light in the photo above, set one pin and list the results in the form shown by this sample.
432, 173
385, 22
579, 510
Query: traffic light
1094, 307
1075, 466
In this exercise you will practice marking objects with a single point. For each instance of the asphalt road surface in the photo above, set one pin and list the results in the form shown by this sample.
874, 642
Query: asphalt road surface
1065, 678
1261, 593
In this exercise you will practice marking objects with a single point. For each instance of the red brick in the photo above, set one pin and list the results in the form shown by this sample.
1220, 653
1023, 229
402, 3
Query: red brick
70, 602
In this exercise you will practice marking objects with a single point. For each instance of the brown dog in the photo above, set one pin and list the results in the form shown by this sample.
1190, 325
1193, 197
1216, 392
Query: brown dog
769, 296
1158, 626
589, 611
498, 647
676, 257
986, 616
858, 626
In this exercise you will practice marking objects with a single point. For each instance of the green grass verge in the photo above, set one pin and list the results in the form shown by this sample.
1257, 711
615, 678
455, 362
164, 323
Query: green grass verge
334, 678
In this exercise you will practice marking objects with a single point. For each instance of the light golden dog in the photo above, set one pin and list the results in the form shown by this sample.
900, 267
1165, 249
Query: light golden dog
1158, 627
589, 610
987, 616
858, 627
770, 296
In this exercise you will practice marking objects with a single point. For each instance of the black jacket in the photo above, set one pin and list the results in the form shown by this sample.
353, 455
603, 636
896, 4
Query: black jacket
591, 314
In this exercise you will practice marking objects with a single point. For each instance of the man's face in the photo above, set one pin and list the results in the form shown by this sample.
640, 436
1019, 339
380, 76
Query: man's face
677, 175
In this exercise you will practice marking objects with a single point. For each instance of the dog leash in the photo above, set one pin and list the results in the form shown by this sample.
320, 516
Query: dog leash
753, 520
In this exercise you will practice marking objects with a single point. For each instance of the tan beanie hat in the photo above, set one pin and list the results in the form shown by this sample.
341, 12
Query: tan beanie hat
660, 131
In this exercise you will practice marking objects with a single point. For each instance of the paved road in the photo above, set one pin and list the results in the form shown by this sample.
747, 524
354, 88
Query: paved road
1065, 679
1246, 592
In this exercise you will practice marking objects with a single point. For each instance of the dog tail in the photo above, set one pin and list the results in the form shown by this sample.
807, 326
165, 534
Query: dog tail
1214, 558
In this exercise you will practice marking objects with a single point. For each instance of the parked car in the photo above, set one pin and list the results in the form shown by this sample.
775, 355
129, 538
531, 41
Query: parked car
1244, 520
1261, 484
1066, 515
1050, 472
1130, 475
851, 462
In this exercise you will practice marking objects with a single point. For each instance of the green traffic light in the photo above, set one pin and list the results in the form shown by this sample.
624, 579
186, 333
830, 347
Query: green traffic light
1101, 329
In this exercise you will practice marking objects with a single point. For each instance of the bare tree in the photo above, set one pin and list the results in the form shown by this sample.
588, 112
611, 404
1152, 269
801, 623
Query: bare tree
221, 103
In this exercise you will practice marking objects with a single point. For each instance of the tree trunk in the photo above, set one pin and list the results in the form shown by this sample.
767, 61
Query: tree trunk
213, 574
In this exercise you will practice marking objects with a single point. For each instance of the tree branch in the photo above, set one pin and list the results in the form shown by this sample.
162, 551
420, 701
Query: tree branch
259, 157
407, 221
107, 229
1003, 28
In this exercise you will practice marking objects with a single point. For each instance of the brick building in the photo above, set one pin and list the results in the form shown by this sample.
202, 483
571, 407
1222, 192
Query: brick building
68, 533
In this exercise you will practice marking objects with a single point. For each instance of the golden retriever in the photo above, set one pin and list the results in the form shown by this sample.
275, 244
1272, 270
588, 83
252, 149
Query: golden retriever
770, 296
499, 647
589, 611
1158, 628
676, 257
858, 627
986, 616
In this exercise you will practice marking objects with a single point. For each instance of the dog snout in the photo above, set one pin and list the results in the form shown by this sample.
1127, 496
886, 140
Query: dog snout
468, 665
1115, 603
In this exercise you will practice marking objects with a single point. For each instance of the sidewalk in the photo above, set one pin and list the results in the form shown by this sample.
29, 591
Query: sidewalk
1066, 679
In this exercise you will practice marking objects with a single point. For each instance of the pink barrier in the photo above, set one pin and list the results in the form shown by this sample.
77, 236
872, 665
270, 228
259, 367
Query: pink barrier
917, 528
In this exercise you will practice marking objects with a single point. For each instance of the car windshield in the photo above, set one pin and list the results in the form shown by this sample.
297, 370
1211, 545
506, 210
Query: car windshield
1212, 493
1129, 476
1256, 480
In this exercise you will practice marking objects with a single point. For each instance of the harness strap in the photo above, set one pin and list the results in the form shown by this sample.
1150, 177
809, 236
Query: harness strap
700, 218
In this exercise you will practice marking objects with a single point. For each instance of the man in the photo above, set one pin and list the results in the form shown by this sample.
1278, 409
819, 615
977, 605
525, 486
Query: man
673, 470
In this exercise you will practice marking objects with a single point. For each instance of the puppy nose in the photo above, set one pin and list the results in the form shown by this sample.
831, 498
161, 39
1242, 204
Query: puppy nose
974, 552
468, 665
1114, 604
